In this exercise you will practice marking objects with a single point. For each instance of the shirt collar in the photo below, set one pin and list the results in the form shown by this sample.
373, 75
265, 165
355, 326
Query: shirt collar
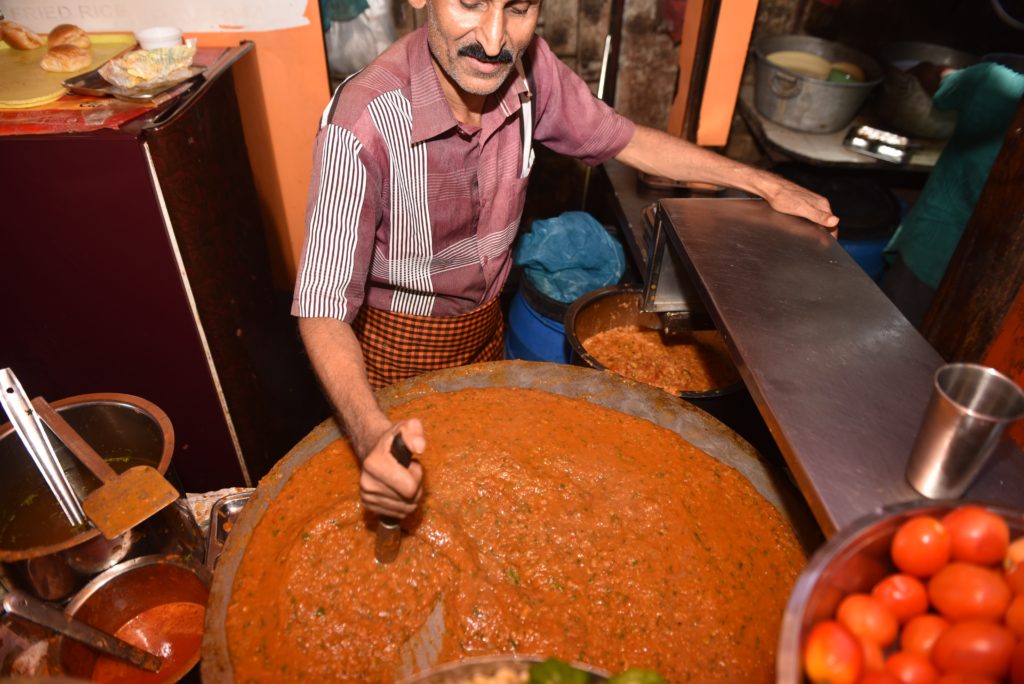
431, 114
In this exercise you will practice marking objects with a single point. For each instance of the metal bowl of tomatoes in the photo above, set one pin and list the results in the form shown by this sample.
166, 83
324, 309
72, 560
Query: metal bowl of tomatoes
924, 591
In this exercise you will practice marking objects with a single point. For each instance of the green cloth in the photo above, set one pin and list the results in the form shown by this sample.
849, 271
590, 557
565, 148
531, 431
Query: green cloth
340, 10
985, 97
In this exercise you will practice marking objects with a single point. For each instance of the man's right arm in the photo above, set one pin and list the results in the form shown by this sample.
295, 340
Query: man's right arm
385, 487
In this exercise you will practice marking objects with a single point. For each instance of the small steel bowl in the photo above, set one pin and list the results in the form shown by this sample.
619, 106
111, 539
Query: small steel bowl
115, 597
854, 560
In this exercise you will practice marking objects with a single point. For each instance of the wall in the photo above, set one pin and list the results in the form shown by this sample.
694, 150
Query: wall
282, 86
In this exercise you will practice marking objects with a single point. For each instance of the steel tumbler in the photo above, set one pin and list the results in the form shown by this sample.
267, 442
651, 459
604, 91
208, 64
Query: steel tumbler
970, 407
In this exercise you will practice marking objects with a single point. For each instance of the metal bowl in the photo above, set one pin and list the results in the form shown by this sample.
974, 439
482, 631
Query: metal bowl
124, 592
854, 560
612, 307
605, 389
488, 666
41, 552
902, 103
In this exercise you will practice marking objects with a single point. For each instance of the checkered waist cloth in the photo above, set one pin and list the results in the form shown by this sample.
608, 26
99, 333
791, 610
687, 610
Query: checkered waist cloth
398, 346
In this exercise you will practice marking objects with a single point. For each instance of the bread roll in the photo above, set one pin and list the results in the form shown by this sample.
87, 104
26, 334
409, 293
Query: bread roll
68, 34
66, 58
19, 37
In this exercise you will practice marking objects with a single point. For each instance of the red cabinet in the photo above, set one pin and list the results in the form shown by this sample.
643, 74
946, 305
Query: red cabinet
135, 262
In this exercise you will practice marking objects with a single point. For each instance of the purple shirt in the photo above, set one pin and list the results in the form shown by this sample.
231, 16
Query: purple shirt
413, 212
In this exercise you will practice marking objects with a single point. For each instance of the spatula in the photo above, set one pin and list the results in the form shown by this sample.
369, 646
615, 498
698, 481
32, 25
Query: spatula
123, 500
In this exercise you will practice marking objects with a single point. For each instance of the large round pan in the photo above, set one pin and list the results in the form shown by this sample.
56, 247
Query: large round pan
604, 389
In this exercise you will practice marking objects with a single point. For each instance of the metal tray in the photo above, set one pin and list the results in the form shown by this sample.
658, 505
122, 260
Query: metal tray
91, 83
222, 519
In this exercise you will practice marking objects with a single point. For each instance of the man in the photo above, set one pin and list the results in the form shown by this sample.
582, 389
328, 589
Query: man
420, 175
985, 97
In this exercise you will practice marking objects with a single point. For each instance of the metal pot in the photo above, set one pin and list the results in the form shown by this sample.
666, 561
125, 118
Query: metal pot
113, 598
40, 552
902, 103
853, 561
604, 389
805, 103
611, 307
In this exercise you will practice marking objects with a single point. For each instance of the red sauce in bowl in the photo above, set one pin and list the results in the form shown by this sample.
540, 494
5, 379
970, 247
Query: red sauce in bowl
172, 632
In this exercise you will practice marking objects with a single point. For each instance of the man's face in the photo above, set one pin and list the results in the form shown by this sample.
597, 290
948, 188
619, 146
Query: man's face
476, 42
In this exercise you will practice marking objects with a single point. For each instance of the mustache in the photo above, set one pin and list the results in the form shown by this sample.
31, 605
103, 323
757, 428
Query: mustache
476, 51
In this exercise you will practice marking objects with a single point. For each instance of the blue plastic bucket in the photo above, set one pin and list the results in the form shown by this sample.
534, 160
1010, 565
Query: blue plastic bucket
867, 253
532, 335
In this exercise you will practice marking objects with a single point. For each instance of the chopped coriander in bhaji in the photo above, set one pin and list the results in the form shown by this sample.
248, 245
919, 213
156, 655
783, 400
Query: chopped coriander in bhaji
550, 526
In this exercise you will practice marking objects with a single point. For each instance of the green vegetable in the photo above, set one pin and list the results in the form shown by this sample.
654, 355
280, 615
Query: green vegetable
554, 671
636, 675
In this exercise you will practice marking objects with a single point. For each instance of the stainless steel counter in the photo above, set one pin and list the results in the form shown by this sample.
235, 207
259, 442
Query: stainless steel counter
839, 375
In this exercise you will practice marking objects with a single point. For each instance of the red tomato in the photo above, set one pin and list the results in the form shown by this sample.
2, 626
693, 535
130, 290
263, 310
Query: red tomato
1014, 618
1017, 665
921, 546
977, 647
920, 634
832, 655
879, 677
874, 659
1013, 565
911, 668
963, 591
965, 678
978, 536
904, 595
868, 618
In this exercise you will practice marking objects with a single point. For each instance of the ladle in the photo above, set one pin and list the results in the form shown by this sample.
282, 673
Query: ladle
41, 613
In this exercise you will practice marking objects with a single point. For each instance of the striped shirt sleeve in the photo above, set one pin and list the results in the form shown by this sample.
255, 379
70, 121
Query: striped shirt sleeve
340, 224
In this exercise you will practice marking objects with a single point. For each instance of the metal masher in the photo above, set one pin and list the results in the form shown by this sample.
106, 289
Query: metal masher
30, 429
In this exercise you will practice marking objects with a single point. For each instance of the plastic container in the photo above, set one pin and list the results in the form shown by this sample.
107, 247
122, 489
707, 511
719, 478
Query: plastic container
868, 212
535, 328
156, 37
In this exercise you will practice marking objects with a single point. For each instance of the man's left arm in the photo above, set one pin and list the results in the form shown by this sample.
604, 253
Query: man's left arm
661, 154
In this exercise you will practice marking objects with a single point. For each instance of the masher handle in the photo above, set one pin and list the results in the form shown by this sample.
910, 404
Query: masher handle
82, 450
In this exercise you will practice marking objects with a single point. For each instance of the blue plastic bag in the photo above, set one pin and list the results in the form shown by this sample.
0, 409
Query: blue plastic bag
567, 256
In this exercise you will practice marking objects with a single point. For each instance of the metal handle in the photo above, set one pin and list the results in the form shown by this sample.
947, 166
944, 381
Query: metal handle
30, 430
24, 606
82, 450
404, 457
785, 86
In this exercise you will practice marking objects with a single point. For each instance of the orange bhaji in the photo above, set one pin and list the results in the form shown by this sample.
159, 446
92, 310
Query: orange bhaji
696, 361
550, 526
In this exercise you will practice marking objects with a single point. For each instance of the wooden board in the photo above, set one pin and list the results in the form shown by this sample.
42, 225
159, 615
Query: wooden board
23, 83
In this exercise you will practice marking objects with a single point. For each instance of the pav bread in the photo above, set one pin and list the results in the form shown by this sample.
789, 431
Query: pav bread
19, 37
68, 34
66, 58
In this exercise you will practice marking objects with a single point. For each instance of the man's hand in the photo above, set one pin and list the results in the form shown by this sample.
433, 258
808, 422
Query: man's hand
789, 198
386, 488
